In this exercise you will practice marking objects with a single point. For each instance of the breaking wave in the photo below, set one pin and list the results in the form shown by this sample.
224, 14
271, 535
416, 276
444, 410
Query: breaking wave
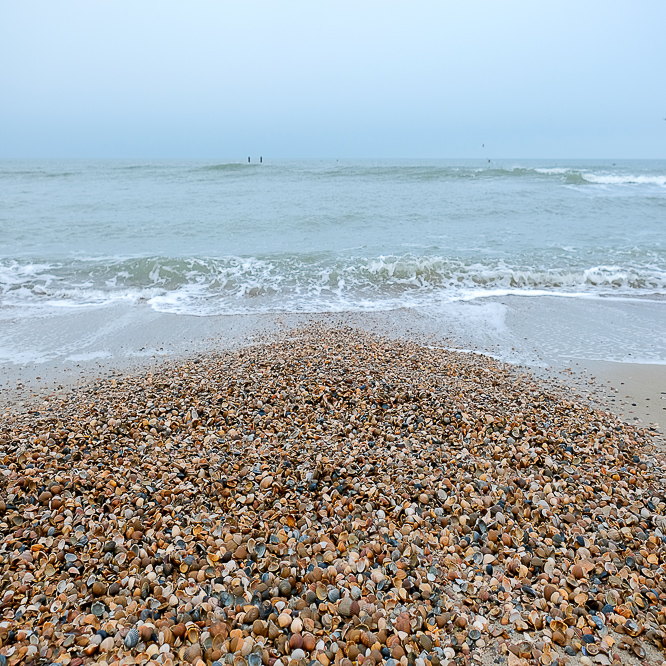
610, 179
301, 283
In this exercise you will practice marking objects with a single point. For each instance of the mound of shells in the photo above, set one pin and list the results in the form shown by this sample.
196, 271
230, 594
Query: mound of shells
333, 498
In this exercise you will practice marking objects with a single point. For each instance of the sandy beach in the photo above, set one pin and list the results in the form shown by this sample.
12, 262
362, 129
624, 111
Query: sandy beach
328, 495
123, 343
332, 336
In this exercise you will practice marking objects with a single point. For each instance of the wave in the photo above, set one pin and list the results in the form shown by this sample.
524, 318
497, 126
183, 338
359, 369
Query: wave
623, 179
231, 166
572, 176
553, 171
644, 174
315, 282
425, 173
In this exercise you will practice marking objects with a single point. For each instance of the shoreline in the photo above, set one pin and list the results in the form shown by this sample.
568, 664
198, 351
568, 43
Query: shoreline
634, 392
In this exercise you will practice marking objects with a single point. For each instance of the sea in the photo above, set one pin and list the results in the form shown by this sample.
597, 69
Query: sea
532, 261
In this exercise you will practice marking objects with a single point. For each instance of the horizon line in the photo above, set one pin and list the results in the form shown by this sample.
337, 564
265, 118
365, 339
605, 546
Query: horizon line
243, 159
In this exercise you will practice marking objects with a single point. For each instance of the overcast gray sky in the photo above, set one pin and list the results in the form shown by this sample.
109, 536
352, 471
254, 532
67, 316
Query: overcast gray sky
159, 78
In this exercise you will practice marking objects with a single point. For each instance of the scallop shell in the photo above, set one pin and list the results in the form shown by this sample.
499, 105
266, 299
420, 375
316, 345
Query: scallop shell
192, 653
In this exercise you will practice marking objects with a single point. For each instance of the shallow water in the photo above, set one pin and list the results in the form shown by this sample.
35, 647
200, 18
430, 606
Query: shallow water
450, 239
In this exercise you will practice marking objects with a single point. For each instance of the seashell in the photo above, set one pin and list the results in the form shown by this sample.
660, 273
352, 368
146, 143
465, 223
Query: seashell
98, 608
192, 653
580, 598
632, 628
638, 650
624, 611
577, 571
132, 638
166, 637
107, 644
192, 633
145, 633
525, 650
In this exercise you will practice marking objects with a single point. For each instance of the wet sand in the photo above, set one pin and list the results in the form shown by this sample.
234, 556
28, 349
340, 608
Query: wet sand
636, 392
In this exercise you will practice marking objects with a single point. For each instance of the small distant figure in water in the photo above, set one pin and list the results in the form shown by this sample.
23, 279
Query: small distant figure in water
248, 160
488, 160
483, 145
261, 159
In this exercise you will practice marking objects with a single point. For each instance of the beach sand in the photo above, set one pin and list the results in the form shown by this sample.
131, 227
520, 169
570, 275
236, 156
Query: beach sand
636, 392
424, 504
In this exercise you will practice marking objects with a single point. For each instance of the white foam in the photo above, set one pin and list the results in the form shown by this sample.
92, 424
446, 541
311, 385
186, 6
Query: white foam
320, 283
89, 356
15, 273
554, 171
623, 179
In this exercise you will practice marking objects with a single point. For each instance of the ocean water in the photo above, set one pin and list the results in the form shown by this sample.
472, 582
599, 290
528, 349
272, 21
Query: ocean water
463, 243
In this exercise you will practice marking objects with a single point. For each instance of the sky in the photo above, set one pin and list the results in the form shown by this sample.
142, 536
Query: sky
324, 79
